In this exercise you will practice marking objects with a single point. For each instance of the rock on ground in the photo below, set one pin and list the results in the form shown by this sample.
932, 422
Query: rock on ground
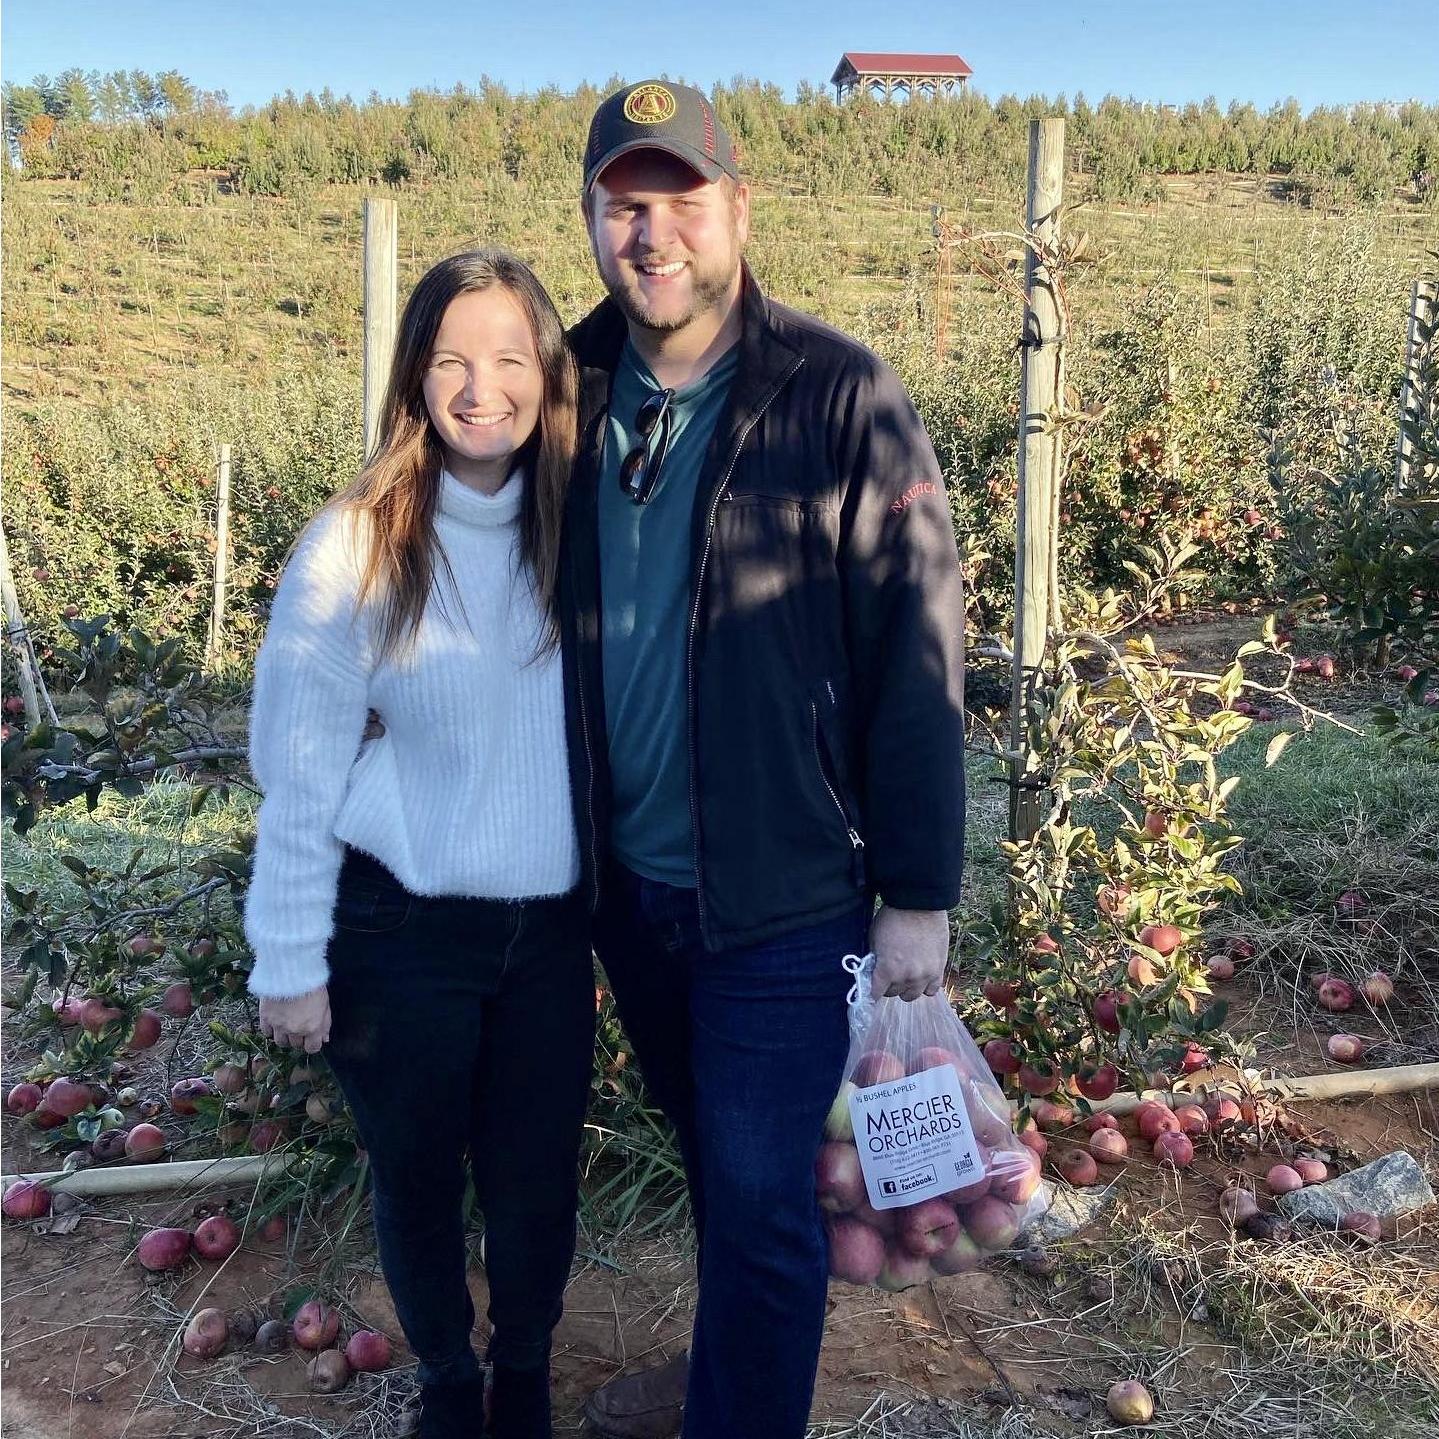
1066, 1211
1386, 1188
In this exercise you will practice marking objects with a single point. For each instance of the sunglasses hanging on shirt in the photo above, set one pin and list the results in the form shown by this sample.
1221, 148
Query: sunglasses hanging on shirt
640, 471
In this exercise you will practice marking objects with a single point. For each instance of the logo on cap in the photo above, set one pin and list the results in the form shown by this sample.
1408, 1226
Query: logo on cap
649, 105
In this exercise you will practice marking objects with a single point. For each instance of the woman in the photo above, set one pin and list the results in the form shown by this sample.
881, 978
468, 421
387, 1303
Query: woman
417, 906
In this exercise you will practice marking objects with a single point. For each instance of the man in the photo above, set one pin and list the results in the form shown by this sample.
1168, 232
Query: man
764, 630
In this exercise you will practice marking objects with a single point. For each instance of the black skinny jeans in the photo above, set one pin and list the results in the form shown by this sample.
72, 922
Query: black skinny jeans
465, 1024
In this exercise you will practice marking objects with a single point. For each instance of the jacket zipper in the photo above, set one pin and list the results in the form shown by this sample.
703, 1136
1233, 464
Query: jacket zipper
855, 842
690, 644
590, 780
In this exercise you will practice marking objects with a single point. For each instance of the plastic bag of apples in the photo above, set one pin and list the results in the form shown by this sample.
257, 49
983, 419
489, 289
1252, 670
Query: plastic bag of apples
920, 1175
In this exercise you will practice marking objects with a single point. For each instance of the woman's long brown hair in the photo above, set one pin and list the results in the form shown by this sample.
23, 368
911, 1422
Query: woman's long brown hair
399, 486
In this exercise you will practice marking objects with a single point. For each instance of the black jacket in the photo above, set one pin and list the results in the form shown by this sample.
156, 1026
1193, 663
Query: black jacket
825, 644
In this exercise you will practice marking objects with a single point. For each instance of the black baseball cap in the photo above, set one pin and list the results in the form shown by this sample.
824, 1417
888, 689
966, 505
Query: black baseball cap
655, 115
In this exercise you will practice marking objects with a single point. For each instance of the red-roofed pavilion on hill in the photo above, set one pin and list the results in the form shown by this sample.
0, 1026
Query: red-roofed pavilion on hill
862, 72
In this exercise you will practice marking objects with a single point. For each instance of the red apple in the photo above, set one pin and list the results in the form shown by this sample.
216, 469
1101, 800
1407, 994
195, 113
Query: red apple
1174, 1148
26, 1199
1162, 938
1108, 1146
1001, 993
1361, 1223
24, 1099
877, 1067
146, 1031
1038, 1081
1050, 1116
178, 1000
839, 1180
1155, 824
184, 1094
1236, 1205
1194, 1057
1336, 995
164, 1249
1035, 1142
1000, 1057
1106, 1010
1222, 1111
1311, 1171
68, 1097
368, 1351
217, 1237
928, 1227
1282, 1179
1220, 966
1156, 1121
932, 1056
67, 1011
902, 1270
1077, 1166
230, 1079
145, 1143
1241, 949
1103, 1120
265, 1135
856, 1252
962, 1255
1097, 1084
1192, 1120
316, 1325
1345, 1048
95, 1014
1014, 1176
992, 1223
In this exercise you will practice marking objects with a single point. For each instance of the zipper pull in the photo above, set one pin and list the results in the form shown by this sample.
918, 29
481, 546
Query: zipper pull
854, 838
856, 863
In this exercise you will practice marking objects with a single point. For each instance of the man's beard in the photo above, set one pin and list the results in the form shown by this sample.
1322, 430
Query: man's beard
708, 286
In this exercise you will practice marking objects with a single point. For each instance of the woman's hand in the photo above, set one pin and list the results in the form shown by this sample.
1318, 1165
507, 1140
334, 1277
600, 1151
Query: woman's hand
302, 1022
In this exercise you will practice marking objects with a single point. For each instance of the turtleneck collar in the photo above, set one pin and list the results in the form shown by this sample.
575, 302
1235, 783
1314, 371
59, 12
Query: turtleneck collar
467, 506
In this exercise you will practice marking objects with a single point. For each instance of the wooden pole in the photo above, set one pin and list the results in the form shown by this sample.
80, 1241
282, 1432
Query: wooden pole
1041, 384
1423, 315
214, 645
32, 687
381, 267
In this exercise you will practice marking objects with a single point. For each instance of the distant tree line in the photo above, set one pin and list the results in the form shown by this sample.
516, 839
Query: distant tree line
133, 135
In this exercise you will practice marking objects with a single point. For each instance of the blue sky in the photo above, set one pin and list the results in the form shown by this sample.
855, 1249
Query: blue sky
1318, 51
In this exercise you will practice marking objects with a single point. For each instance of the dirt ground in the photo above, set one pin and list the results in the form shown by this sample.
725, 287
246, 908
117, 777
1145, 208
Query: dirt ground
90, 1341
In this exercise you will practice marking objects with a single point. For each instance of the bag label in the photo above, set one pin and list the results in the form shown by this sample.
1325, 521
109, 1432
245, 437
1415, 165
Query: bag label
914, 1138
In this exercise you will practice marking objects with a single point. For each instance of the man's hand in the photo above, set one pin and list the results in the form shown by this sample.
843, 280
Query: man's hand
911, 948
302, 1022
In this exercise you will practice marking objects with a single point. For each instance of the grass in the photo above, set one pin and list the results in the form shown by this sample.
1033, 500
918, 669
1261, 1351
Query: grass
108, 299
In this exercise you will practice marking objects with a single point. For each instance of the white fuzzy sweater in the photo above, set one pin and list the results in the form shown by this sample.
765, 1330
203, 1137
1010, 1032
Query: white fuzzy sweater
466, 792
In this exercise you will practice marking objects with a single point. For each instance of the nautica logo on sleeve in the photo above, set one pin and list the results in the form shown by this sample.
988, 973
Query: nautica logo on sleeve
925, 487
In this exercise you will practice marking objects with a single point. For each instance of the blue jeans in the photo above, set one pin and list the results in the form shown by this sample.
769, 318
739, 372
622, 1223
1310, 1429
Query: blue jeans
462, 1036
744, 1051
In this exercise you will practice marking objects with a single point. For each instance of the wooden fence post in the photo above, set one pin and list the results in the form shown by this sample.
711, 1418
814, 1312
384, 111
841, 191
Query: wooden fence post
1423, 318
1036, 549
32, 687
215, 642
381, 269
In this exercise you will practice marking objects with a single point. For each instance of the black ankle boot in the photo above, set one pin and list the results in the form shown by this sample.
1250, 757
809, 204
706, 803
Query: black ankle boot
454, 1410
519, 1403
